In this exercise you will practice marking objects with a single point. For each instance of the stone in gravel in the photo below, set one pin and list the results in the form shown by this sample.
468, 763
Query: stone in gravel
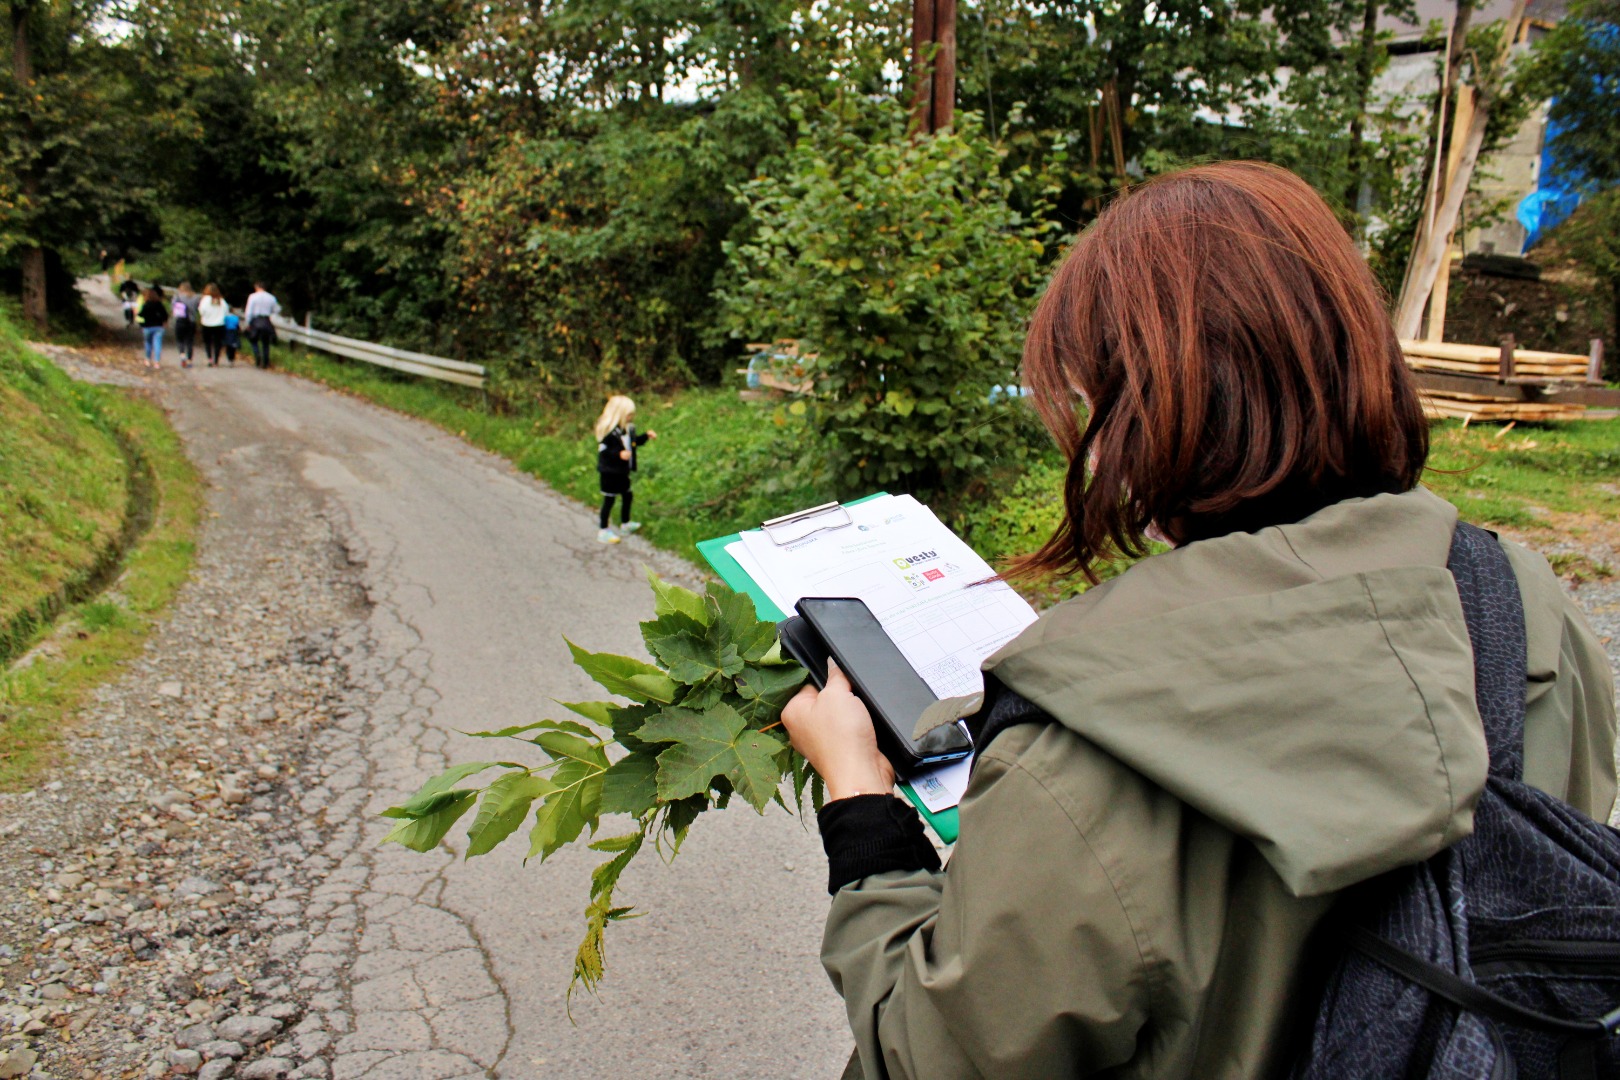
165, 799
170, 689
19, 1062
217, 1070
185, 1062
270, 1068
190, 1037
220, 982
250, 1030
197, 886
221, 1048
53, 992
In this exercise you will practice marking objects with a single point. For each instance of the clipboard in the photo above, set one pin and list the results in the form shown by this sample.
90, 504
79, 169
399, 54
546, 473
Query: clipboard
944, 823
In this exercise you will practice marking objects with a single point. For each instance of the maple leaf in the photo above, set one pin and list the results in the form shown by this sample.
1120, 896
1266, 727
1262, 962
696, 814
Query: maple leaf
716, 742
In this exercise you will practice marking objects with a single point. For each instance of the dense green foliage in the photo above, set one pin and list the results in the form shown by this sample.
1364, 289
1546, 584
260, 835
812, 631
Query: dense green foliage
696, 732
905, 273
550, 190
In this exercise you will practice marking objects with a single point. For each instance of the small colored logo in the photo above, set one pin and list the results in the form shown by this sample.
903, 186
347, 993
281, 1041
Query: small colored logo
933, 575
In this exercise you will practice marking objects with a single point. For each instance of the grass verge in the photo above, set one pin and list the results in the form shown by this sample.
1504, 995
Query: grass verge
715, 467
95, 638
718, 466
65, 499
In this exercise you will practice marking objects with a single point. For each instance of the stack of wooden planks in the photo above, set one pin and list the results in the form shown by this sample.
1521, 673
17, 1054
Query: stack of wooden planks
1487, 361
1485, 382
1449, 404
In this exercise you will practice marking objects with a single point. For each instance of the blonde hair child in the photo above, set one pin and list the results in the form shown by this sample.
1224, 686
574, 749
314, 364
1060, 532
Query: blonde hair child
616, 443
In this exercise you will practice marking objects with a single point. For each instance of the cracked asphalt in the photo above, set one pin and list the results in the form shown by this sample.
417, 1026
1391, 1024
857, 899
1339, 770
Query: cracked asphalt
445, 968
471, 573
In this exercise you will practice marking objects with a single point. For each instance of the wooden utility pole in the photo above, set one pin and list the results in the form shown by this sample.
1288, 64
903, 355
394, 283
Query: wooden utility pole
1440, 214
32, 255
933, 64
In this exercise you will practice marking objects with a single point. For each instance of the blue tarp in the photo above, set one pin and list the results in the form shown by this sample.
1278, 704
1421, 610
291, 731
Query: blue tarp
1555, 198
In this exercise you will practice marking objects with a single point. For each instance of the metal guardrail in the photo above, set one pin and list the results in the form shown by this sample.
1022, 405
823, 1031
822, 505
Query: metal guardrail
414, 363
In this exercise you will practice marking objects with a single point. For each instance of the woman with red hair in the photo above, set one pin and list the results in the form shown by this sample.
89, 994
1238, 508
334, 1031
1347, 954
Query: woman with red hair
1178, 771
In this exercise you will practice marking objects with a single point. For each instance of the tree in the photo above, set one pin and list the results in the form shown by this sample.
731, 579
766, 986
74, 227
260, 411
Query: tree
1578, 66
68, 161
901, 265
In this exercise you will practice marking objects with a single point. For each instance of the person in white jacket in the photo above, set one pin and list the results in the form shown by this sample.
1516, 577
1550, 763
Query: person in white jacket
211, 312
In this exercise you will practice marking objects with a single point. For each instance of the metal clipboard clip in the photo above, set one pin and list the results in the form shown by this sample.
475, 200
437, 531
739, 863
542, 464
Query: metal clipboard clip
791, 528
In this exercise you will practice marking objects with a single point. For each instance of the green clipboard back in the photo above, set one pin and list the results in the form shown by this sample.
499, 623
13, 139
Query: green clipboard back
944, 823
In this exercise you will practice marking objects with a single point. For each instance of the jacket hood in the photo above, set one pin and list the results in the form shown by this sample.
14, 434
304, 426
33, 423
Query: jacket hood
1309, 687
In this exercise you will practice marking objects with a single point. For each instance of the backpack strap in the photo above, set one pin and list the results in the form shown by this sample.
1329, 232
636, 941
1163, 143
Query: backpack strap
1494, 612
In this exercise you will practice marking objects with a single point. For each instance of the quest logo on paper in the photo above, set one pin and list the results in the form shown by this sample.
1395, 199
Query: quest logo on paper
906, 562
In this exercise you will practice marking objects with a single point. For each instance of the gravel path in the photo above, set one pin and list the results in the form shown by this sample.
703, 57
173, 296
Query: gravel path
199, 892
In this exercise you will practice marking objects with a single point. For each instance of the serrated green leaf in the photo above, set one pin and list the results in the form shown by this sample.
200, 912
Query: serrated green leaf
717, 742
606, 876
431, 795
622, 675
678, 818
630, 786
705, 695
597, 712
773, 686
504, 806
669, 599
735, 617
566, 811
625, 720
567, 744
423, 833
588, 960
506, 732
692, 660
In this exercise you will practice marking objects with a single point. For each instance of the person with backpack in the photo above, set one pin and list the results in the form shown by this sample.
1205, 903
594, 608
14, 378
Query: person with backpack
261, 332
1204, 790
185, 322
153, 317
211, 313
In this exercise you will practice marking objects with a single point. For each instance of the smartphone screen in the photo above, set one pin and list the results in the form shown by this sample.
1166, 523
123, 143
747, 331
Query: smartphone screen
883, 678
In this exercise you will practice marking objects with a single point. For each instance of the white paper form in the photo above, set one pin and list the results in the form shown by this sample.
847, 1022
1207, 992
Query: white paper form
918, 578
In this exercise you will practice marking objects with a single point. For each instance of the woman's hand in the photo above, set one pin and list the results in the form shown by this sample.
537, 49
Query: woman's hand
624, 455
833, 730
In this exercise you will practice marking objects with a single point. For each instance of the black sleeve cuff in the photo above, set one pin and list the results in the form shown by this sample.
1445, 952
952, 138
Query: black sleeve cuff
872, 834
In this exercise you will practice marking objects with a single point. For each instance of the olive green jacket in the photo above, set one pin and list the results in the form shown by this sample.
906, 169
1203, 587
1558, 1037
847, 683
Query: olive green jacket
1245, 726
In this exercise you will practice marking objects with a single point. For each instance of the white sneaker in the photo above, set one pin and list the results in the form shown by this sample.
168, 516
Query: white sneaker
629, 526
607, 536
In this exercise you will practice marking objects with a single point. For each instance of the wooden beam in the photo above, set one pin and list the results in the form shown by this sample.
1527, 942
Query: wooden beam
1428, 252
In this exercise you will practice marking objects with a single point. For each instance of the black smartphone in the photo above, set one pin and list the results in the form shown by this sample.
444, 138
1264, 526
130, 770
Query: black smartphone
893, 692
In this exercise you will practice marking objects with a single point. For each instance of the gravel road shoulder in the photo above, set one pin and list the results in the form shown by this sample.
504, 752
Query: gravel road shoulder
155, 896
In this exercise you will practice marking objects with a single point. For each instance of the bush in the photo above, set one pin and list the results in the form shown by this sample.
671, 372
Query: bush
900, 266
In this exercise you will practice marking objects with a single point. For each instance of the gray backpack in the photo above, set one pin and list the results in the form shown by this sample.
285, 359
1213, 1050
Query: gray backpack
1499, 958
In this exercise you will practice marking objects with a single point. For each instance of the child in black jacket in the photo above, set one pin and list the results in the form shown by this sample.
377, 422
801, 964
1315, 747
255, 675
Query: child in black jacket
616, 443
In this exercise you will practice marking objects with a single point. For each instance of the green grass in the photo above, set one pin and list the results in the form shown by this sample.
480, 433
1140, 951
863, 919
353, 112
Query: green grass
721, 464
718, 464
63, 487
1528, 477
95, 638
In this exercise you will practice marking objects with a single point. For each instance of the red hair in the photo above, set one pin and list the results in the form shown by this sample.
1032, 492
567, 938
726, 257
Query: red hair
1237, 359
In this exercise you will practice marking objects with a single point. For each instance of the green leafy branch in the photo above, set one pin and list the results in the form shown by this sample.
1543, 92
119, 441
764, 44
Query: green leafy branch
697, 729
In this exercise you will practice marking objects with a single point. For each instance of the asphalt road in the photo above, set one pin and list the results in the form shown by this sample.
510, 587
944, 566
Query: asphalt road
474, 573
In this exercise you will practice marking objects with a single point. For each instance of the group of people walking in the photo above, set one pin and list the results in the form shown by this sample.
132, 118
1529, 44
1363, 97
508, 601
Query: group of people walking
221, 327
